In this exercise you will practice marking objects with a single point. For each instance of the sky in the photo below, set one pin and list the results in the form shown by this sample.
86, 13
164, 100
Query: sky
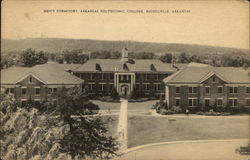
216, 23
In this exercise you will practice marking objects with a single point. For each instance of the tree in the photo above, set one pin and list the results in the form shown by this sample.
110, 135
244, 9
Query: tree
75, 56
87, 136
183, 58
30, 58
167, 58
114, 94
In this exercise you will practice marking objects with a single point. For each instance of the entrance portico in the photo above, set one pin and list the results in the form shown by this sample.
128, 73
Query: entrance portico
124, 83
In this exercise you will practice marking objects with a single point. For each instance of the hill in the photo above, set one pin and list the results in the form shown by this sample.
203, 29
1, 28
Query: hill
58, 45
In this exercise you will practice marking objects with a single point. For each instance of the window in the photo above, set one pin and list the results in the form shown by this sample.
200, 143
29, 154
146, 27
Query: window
12, 90
23, 102
177, 89
192, 90
101, 76
157, 87
233, 89
30, 79
37, 101
219, 102
233, 102
213, 78
156, 76
146, 87
111, 76
111, 86
220, 89
137, 77
147, 76
102, 87
90, 87
37, 90
92, 76
9, 90
54, 90
247, 102
248, 89
24, 91
192, 102
177, 101
137, 86
207, 88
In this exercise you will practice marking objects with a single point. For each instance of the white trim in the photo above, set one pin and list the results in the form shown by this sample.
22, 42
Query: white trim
37, 87
23, 87
23, 99
31, 74
37, 99
206, 77
232, 97
207, 98
177, 97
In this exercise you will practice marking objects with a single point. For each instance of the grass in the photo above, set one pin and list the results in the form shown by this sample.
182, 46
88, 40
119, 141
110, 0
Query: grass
131, 106
107, 105
147, 129
141, 105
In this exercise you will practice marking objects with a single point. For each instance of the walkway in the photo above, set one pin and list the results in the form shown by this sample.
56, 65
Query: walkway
122, 128
188, 150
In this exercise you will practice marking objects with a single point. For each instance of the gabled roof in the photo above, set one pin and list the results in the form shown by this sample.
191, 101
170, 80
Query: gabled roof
47, 73
139, 65
192, 74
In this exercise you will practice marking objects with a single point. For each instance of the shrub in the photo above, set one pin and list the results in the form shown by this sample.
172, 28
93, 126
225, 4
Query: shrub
164, 111
114, 94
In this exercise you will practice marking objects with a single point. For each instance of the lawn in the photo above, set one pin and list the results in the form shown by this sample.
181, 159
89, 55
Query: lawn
141, 105
149, 129
107, 105
131, 106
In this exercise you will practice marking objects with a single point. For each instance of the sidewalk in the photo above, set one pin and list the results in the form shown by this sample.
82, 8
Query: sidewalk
188, 150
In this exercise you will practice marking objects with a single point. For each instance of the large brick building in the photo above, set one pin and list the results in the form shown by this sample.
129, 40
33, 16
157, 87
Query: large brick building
145, 76
206, 86
38, 82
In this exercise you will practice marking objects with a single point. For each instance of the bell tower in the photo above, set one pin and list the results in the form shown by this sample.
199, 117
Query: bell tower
124, 55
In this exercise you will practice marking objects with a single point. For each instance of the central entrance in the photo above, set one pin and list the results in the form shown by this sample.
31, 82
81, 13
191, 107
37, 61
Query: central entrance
124, 83
125, 90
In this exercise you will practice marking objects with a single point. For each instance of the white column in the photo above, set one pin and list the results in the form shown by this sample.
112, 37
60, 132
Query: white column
131, 82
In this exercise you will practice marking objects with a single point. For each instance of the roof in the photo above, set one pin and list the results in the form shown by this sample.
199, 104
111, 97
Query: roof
47, 73
139, 65
192, 74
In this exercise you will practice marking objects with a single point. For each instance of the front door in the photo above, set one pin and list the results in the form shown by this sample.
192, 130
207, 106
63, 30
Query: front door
206, 102
125, 90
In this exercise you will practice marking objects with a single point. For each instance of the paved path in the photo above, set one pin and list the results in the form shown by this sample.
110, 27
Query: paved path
122, 128
188, 150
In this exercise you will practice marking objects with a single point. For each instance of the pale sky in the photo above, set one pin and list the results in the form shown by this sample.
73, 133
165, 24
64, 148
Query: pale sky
217, 23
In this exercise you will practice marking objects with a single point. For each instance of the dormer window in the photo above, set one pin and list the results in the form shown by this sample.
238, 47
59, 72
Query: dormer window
213, 78
125, 67
98, 67
30, 79
152, 67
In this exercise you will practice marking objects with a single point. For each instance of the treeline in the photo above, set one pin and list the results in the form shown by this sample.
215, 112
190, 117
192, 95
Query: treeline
224, 60
30, 57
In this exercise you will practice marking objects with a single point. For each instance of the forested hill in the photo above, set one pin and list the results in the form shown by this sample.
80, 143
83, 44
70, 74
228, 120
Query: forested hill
57, 45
